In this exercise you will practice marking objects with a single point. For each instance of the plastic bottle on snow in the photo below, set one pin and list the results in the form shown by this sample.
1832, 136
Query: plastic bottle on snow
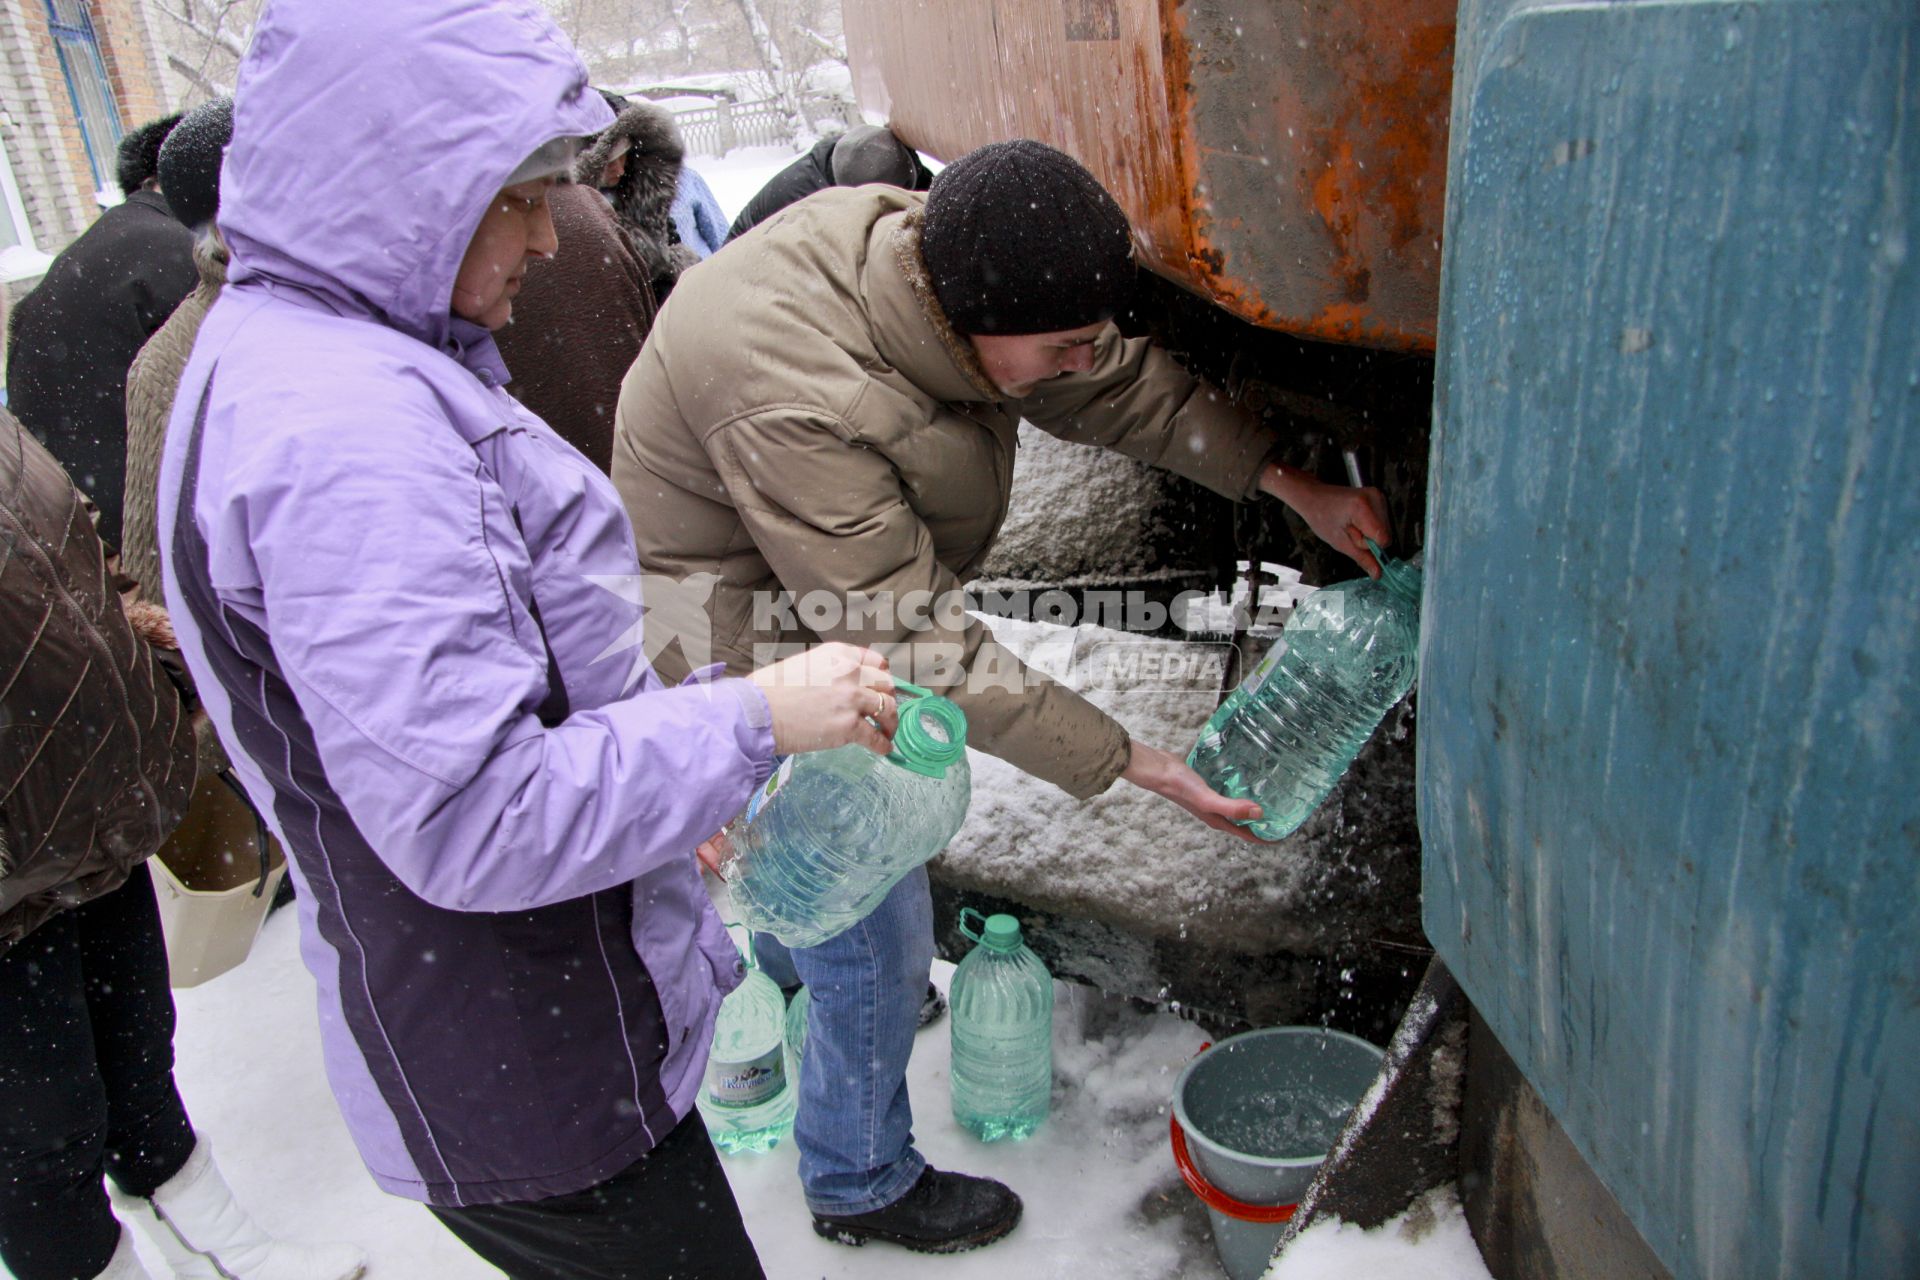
1347, 655
748, 1096
798, 1009
1001, 1011
833, 831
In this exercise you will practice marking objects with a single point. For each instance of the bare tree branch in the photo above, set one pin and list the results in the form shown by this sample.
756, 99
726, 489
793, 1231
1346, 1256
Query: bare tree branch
194, 75
208, 23
832, 48
677, 12
774, 63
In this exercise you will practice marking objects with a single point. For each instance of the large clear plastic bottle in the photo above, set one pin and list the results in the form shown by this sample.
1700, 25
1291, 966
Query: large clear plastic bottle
748, 1096
1001, 1002
1349, 654
833, 831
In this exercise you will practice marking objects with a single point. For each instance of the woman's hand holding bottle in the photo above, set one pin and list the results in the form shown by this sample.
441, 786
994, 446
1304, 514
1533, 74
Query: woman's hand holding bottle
829, 696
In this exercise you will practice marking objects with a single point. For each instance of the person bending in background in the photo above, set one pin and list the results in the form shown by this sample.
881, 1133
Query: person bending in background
635, 163
863, 154
395, 586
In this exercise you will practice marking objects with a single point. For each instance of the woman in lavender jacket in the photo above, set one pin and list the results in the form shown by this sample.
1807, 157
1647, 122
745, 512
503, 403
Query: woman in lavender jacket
411, 609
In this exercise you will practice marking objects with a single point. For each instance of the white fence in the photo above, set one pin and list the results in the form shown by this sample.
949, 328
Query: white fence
716, 130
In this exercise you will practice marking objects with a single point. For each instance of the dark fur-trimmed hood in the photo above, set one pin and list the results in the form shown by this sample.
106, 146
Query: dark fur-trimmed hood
643, 198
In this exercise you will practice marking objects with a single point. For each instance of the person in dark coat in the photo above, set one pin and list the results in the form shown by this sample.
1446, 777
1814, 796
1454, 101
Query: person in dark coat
75, 334
867, 153
581, 316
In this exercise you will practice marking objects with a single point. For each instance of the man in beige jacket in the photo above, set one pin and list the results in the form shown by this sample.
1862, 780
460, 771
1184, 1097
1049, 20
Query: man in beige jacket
829, 408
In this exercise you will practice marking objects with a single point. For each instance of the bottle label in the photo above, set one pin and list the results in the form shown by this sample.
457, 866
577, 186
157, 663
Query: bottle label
1251, 685
747, 1084
766, 793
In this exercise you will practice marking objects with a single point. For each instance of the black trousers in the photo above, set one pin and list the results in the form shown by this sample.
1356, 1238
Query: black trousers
86, 1081
668, 1216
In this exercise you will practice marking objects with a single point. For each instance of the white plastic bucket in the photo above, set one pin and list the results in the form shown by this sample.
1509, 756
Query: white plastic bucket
214, 878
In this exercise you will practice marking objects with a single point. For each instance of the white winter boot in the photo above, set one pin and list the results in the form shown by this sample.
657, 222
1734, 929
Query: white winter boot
204, 1235
125, 1263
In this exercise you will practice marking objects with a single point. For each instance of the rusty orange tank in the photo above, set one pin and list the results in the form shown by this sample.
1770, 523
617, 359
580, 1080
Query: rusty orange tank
1285, 160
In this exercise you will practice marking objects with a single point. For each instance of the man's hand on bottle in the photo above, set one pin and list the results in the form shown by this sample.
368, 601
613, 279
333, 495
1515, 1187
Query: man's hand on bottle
1340, 516
1166, 774
829, 696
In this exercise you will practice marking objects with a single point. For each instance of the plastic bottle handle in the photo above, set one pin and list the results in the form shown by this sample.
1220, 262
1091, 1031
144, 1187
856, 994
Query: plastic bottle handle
914, 746
746, 954
972, 935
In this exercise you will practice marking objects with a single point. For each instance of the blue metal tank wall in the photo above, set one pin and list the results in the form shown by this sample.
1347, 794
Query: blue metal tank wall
1669, 758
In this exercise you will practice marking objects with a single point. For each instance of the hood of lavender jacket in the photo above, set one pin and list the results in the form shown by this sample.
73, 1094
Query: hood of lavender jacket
413, 614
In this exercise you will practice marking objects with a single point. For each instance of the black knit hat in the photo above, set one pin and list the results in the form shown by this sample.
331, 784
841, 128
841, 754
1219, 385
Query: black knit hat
139, 155
1020, 238
190, 161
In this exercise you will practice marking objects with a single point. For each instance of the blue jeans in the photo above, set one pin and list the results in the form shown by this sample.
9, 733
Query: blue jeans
855, 1127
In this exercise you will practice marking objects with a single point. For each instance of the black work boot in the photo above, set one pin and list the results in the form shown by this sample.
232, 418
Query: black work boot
943, 1213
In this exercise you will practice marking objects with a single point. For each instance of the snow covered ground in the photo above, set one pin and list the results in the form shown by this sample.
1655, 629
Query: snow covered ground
1102, 1194
1103, 1198
1430, 1241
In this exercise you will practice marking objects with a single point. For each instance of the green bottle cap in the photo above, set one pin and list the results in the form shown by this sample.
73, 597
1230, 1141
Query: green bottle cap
995, 932
932, 732
1001, 933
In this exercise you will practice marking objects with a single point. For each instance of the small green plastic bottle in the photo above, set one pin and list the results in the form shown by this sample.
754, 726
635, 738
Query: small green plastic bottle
1002, 1033
798, 1010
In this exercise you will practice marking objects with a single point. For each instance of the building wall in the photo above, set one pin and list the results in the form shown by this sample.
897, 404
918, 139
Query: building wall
129, 45
37, 127
41, 129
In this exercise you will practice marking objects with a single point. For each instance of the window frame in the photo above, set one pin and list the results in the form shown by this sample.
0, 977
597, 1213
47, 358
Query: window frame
16, 208
77, 46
